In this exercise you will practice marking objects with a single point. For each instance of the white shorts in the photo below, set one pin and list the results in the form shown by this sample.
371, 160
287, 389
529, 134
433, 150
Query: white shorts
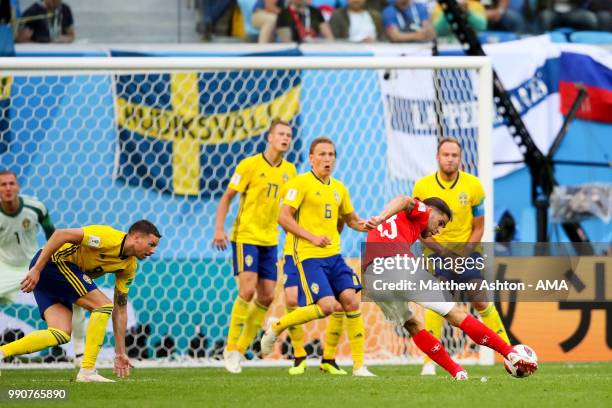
10, 280
395, 304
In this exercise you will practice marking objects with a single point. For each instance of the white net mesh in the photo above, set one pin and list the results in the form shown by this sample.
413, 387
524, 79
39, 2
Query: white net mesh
111, 149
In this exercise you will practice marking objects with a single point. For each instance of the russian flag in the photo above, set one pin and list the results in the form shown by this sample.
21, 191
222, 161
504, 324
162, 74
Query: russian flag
594, 72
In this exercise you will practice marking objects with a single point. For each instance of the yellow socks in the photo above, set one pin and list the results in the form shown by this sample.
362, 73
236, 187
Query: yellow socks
94, 336
356, 335
35, 341
300, 315
296, 335
491, 319
239, 314
252, 324
332, 335
433, 324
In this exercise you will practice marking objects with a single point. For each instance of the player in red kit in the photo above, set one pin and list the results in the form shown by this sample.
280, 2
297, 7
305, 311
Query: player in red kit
394, 230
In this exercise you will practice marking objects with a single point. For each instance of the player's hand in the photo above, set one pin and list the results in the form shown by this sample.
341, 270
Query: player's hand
30, 281
321, 242
122, 366
220, 240
373, 222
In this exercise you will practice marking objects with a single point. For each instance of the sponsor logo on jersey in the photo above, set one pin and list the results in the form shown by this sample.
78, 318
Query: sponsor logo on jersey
463, 199
87, 279
93, 241
248, 260
315, 288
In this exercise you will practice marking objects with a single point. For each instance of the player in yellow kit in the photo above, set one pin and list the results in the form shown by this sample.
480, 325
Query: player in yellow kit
465, 196
311, 208
62, 273
254, 238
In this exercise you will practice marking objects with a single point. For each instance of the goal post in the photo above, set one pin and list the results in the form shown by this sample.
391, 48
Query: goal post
113, 140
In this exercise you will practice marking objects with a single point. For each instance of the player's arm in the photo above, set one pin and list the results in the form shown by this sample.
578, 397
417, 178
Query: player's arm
353, 221
286, 219
476, 236
57, 239
220, 239
122, 363
399, 203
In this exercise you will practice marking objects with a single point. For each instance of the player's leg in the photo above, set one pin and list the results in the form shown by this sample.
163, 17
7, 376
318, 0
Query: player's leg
333, 332
296, 333
265, 265
346, 284
484, 336
491, 318
78, 334
431, 345
58, 317
243, 258
434, 323
315, 297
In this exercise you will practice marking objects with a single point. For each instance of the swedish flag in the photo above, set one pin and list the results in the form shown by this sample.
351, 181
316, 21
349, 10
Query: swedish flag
182, 133
5, 104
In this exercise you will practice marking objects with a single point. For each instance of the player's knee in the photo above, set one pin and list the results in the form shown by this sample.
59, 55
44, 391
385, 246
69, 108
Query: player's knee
413, 326
327, 307
291, 301
265, 299
455, 316
351, 304
246, 293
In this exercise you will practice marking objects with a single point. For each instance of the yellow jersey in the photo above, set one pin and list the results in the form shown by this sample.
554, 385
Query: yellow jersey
100, 252
465, 197
260, 186
318, 207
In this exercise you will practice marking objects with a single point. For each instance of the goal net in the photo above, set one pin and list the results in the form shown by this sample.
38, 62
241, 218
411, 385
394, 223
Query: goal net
113, 140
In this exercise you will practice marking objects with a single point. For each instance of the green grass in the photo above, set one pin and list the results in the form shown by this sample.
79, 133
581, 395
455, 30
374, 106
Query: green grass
554, 385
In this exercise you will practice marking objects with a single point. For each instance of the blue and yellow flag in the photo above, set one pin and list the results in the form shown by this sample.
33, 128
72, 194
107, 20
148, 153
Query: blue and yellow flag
5, 104
183, 133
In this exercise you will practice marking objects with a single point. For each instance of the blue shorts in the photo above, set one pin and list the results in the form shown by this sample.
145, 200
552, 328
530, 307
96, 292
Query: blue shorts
61, 282
321, 277
292, 276
466, 276
254, 258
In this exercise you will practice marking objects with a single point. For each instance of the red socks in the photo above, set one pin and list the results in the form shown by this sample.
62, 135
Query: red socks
484, 336
435, 350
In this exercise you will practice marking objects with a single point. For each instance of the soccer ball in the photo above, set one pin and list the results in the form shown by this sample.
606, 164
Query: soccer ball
517, 371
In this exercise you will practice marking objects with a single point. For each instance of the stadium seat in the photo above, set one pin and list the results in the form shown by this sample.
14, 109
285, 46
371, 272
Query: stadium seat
488, 37
591, 37
560, 35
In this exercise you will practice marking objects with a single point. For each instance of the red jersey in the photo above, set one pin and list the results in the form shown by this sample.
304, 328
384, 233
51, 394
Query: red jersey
397, 234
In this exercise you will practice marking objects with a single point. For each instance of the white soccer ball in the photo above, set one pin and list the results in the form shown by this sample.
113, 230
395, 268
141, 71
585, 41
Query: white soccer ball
518, 372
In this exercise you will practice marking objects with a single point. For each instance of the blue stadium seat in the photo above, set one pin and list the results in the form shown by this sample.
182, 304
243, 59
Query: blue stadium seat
558, 37
489, 37
591, 37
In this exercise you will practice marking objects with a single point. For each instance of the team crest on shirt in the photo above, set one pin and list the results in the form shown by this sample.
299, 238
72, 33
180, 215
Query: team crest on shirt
248, 260
26, 223
337, 196
463, 199
315, 288
87, 279
285, 177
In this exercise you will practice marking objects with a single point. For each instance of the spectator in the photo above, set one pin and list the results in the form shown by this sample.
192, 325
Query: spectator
355, 23
603, 11
47, 21
378, 5
300, 22
213, 12
475, 14
406, 21
502, 15
264, 17
566, 13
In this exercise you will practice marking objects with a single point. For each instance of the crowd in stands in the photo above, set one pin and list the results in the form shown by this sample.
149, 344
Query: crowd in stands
266, 21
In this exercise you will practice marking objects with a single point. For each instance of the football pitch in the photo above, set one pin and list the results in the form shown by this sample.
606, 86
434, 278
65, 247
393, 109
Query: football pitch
554, 385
